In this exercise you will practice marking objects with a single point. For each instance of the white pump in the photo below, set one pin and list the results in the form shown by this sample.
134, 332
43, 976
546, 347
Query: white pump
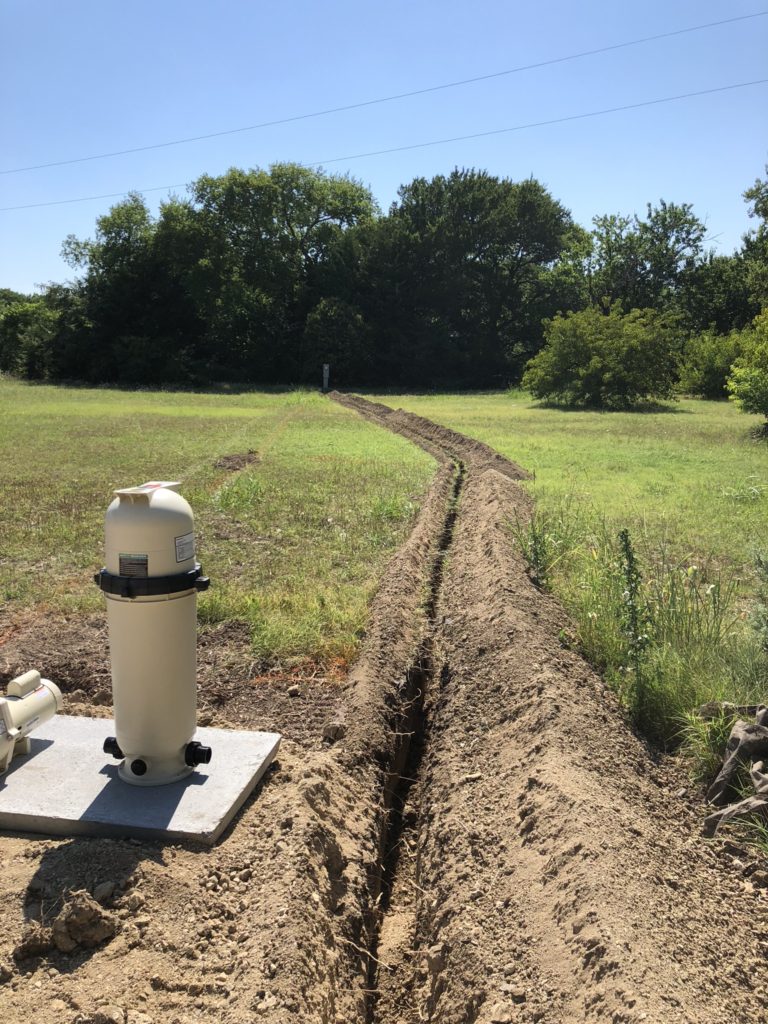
151, 581
29, 701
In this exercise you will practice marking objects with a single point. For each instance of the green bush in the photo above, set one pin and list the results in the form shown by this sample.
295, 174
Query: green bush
605, 359
26, 332
748, 382
707, 362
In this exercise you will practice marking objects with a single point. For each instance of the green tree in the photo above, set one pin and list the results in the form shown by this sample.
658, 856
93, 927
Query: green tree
263, 235
455, 257
335, 333
137, 318
26, 331
604, 359
645, 263
717, 295
707, 361
748, 382
755, 248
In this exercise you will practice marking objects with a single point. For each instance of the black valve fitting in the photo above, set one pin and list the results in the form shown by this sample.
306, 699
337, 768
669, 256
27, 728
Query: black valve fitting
112, 747
195, 753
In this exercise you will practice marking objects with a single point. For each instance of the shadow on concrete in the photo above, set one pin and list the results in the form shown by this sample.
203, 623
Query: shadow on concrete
140, 808
37, 747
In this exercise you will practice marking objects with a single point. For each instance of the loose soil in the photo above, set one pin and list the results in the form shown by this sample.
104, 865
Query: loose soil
463, 830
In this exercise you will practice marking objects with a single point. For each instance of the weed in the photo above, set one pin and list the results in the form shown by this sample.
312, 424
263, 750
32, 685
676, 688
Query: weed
668, 639
703, 743
545, 539
635, 614
749, 489
759, 615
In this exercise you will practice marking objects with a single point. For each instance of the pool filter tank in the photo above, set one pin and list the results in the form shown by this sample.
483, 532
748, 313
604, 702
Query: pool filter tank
29, 701
150, 581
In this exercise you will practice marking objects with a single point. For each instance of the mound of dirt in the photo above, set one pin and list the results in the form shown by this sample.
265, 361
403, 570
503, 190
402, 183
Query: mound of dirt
234, 463
81, 922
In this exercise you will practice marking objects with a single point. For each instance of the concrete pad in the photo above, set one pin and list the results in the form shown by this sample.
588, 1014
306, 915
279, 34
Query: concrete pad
68, 786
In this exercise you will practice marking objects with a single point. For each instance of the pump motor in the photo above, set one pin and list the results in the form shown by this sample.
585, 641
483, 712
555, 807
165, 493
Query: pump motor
29, 701
151, 581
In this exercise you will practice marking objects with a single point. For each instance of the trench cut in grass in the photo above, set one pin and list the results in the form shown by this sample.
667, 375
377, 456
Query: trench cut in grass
294, 542
674, 614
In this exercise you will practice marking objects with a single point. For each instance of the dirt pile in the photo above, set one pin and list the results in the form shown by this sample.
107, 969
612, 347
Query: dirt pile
464, 831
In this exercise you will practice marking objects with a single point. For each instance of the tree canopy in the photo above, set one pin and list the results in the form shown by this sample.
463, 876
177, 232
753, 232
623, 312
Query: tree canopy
260, 276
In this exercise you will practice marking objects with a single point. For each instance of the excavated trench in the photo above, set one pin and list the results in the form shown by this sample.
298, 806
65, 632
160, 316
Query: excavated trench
394, 914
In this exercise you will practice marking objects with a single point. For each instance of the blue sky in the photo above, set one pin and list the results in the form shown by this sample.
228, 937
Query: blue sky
93, 76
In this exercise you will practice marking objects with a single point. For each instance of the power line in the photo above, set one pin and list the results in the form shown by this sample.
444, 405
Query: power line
386, 99
432, 142
542, 124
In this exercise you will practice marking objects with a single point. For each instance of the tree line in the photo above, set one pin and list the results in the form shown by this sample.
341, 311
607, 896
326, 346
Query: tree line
261, 276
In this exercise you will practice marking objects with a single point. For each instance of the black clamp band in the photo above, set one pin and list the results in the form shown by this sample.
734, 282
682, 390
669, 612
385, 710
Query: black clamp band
151, 586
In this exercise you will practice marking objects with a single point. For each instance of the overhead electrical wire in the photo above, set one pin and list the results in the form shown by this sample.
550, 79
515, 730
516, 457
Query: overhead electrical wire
424, 145
386, 99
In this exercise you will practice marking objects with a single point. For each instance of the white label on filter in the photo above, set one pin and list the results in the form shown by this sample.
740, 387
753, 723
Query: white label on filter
185, 547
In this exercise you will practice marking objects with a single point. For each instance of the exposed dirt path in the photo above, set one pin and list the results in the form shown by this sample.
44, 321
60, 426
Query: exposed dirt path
465, 832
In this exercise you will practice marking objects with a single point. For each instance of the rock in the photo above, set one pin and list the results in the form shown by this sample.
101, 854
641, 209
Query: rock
82, 922
109, 1015
472, 777
134, 901
436, 959
62, 940
294, 691
6, 972
334, 730
57, 1006
137, 1017
500, 1014
103, 892
245, 875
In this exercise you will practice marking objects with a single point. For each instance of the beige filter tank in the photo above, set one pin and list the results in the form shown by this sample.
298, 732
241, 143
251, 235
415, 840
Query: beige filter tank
150, 581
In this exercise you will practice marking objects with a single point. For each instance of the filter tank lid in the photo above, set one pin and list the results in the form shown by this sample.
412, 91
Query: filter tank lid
145, 491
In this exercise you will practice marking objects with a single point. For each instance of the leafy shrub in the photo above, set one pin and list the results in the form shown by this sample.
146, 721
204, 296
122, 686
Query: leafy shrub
707, 361
748, 382
603, 358
26, 332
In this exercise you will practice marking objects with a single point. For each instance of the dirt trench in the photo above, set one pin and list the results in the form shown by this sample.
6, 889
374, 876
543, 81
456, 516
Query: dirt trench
465, 831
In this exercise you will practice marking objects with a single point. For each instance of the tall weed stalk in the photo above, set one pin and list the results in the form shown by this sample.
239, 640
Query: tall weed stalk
668, 635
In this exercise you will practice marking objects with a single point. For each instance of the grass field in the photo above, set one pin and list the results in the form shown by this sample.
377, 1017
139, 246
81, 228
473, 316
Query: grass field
294, 543
675, 613
691, 476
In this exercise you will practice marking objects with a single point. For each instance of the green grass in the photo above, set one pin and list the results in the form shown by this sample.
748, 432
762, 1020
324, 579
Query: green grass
690, 487
691, 477
294, 544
